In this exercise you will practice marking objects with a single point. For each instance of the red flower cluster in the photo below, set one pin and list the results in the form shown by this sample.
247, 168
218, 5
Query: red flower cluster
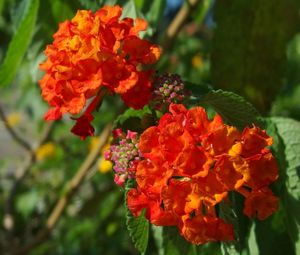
95, 51
191, 163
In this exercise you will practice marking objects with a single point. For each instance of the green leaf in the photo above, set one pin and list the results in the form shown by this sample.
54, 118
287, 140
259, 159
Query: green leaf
198, 91
203, 8
252, 241
16, 14
155, 12
139, 3
234, 109
289, 159
93, 5
289, 131
158, 238
174, 244
272, 236
138, 227
169, 242
135, 120
233, 214
129, 10
19, 43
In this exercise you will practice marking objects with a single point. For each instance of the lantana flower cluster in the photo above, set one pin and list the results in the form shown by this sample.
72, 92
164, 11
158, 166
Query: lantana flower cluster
191, 163
92, 54
183, 167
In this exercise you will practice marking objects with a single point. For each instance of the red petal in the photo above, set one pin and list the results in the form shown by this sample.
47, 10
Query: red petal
83, 127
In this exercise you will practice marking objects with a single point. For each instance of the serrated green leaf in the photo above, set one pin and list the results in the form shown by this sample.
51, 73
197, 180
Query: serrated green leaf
198, 90
289, 132
138, 227
234, 109
19, 43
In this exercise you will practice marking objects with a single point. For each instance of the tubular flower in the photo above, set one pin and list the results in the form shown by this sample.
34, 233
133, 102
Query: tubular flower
202, 229
94, 53
261, 204
188, 164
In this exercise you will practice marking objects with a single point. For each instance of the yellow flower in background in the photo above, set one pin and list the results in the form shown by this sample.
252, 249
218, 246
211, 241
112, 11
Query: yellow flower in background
47, 150
93, 143
197, 61
13, 119
104, 165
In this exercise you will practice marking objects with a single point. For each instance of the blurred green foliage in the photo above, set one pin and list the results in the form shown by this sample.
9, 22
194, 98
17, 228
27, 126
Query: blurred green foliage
249, 47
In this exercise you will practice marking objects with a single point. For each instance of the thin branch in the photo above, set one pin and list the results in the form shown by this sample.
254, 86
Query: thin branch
13, 133
72, 187
178, 22
20, 174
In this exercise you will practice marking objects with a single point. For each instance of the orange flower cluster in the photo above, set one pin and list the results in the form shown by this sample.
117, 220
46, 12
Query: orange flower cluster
95, 51
191, 163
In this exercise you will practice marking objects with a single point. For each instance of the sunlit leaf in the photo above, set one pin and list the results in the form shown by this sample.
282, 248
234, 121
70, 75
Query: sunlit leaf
288, 130
233, 108
19, 43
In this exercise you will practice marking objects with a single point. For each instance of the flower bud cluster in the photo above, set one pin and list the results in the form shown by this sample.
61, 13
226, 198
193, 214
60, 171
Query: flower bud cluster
124, 155
168, 88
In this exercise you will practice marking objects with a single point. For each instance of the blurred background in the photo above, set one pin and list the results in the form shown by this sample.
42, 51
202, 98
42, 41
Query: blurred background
249, 47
